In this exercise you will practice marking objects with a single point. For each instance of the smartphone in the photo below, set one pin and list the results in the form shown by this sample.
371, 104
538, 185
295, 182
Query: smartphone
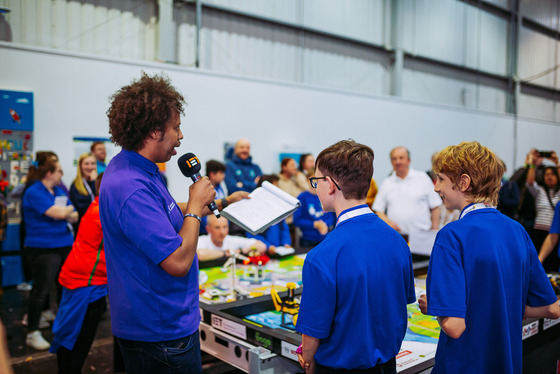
545, 154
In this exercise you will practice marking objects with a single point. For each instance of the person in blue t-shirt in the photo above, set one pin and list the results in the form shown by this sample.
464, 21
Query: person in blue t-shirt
484, 276
551, 240
48, 213
313, 222
150, 240
358, 281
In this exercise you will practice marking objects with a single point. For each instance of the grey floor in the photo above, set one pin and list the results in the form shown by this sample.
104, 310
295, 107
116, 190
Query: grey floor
13, 305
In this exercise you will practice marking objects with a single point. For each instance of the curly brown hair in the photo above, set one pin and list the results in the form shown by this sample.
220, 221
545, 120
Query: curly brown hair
141, 108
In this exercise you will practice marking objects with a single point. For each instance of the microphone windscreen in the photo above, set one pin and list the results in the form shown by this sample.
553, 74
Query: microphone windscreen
189, 164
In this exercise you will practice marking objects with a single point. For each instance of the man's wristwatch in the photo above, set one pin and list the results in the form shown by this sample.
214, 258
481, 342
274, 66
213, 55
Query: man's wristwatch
224, 203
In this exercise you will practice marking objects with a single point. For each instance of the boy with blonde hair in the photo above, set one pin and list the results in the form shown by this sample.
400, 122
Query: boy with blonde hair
484, 275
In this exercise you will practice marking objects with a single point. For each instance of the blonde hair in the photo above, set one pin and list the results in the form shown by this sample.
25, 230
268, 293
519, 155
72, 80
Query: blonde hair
479, 163
79, 180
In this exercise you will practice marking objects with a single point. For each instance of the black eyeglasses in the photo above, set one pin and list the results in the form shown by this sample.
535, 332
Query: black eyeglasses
313, 181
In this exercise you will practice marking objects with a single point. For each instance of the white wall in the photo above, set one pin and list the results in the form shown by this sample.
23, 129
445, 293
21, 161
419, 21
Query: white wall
72, 95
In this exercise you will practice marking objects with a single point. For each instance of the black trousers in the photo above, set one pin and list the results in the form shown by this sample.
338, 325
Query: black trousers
72, 361
45, 264
389, 367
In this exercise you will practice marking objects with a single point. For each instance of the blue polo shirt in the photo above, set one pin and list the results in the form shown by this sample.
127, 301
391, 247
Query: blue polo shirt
484, 268
43, 231
356, 285
140, 223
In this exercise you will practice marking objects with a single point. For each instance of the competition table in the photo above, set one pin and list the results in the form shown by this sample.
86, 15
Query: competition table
247, 333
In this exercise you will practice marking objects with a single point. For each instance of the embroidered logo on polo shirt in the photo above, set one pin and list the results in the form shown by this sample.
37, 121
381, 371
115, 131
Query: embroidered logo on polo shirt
170, 207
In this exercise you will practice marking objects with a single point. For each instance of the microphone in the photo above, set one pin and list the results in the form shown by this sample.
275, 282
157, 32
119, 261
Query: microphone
190, 167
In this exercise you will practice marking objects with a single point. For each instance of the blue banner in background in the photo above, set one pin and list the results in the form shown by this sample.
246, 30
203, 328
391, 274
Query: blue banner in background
16, 110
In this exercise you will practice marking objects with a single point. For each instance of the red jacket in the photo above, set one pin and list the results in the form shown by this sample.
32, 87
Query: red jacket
85, 265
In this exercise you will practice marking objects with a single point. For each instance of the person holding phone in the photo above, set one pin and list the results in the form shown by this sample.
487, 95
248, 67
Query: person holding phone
546, 194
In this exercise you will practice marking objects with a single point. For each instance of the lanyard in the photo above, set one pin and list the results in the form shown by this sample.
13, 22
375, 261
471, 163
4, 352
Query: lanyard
353, 213
88, 188
471, 207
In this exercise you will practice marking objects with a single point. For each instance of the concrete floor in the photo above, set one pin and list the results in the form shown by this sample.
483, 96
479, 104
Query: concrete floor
13, 305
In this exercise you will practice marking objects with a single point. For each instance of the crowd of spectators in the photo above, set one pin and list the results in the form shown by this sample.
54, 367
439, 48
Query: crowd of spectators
539, 193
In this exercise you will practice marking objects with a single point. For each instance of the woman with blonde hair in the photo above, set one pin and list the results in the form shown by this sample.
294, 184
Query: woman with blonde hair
82, 191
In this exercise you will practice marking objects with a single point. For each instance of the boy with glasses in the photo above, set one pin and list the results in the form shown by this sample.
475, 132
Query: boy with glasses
353, 312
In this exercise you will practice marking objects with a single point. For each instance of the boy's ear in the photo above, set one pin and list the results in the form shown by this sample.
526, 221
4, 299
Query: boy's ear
464, 182
332, 187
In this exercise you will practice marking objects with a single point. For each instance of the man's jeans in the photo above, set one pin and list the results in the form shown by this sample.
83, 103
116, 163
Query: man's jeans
170, 357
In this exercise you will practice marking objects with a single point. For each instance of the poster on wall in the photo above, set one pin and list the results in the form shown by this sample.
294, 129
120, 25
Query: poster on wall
16, 110
82, 144
16, 145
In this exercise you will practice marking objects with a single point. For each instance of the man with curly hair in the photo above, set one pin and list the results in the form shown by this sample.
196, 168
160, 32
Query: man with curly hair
150, 240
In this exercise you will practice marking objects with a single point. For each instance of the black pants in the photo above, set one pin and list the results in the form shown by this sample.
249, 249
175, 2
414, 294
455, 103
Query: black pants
45, 265
552, 262
389, 367
72, 361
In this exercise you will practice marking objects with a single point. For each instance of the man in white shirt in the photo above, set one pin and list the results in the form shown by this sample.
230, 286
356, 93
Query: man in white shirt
219, 244
406, 200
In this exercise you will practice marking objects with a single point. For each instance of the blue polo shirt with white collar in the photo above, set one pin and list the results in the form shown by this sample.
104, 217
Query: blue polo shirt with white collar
356, 285
141, 222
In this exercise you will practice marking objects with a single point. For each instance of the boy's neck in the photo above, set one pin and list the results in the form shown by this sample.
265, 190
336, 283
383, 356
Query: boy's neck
466, 203
344, 204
